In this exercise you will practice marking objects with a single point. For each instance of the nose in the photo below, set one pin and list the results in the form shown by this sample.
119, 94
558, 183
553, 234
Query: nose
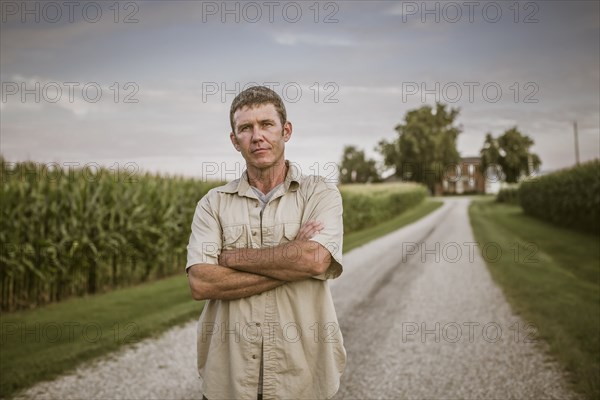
257, 134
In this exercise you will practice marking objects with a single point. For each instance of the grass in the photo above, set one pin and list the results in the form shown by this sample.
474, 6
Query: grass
43, 343
550, 276
40, 344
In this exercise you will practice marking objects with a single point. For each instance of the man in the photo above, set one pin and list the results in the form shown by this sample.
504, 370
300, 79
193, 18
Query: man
260, 252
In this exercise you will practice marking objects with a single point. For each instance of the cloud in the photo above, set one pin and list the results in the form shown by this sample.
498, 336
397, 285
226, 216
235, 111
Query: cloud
293, 39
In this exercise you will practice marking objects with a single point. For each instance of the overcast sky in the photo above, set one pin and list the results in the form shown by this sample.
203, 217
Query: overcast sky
150, 83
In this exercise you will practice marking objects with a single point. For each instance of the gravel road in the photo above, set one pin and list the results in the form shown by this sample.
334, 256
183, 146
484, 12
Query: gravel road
421, 319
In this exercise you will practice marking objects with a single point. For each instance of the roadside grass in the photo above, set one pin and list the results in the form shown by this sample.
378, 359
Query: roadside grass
43, 343
551, 276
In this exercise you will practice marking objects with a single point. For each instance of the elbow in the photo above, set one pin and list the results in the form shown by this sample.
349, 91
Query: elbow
199, 291
202, 290
199, 295
198, 286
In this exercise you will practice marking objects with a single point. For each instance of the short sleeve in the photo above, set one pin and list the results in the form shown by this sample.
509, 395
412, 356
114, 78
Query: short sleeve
325, 205
205, 242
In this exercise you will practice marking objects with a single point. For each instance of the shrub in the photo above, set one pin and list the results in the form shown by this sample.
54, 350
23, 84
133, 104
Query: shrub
570, 197
508, 195
367, 205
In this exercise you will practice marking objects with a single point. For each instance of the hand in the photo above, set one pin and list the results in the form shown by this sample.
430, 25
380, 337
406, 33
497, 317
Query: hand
309, 230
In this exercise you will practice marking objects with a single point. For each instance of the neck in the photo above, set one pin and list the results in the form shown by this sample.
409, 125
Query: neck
266, 179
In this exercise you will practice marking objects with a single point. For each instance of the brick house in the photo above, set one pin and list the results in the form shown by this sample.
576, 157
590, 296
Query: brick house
465, 177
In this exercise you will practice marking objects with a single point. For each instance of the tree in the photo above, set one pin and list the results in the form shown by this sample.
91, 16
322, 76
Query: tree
355, 168
490, 152
426, 144
510, 151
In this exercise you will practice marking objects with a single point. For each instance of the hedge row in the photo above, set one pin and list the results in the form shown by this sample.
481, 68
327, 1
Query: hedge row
369, 206
570, 197
508, 195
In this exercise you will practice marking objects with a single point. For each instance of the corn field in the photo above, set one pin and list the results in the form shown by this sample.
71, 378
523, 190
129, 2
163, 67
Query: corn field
68, 232
369, 204
71, 232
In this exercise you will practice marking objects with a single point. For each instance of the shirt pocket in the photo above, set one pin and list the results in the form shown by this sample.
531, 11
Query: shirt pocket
235, 237
290, 231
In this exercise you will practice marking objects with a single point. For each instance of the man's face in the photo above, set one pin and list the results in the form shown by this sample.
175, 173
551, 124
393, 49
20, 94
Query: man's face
259, 136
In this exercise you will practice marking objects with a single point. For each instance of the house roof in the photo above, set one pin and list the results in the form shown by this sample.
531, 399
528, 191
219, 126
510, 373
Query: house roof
472, 159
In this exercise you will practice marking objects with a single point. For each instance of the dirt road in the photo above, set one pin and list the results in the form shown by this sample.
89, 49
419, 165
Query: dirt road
421, 319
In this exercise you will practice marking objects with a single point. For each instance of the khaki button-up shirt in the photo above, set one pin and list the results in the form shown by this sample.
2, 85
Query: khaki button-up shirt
292, 328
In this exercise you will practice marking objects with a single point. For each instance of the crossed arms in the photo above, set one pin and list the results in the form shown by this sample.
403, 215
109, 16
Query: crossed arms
246, 272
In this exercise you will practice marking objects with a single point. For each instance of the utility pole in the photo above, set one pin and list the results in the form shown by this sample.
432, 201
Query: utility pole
576, 142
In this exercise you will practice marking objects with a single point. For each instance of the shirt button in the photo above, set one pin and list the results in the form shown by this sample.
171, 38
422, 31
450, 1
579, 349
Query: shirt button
258, 324
254, 356
253, 233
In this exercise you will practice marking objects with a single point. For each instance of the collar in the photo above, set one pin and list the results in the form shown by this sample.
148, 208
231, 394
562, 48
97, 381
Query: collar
242, 187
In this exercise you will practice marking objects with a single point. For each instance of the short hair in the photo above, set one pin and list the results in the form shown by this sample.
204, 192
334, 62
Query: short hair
256, 96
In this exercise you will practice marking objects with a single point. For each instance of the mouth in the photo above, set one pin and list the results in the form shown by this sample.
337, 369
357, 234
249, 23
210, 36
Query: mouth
259, 150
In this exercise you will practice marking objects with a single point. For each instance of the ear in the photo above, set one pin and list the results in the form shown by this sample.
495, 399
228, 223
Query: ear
234, 141
287, 131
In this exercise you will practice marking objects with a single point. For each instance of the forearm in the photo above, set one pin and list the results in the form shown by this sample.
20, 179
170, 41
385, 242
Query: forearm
291, 261
209, 281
